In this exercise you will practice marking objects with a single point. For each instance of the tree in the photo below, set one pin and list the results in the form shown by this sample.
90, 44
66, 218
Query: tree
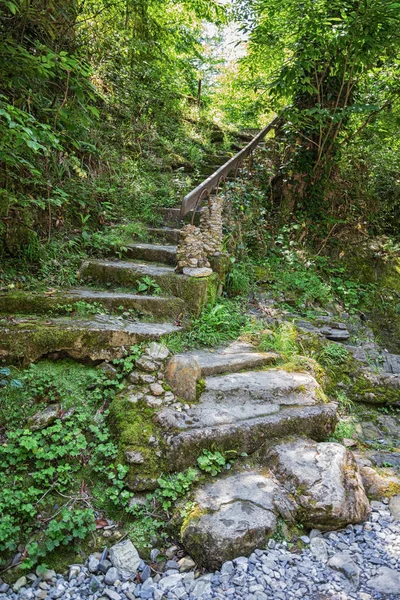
334, 64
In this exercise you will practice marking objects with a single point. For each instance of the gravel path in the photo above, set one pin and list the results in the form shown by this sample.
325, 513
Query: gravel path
361, 562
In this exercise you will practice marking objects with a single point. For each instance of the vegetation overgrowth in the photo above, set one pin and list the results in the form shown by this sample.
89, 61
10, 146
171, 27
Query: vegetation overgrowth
100, 124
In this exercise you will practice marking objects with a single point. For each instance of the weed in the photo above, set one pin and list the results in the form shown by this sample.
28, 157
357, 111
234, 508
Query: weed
333, 355
283, 340
172, 487
346, 428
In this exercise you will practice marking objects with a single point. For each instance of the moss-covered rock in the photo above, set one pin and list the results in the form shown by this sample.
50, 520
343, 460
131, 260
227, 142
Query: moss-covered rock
26, 340
135, 431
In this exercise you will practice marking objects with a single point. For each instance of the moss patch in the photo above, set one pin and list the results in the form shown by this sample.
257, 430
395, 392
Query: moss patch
134, 430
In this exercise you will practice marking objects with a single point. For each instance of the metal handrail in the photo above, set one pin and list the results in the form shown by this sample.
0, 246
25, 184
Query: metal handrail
192, 200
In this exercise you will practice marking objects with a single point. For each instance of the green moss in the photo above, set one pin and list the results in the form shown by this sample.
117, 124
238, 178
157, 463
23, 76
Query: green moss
200, 388
133, 425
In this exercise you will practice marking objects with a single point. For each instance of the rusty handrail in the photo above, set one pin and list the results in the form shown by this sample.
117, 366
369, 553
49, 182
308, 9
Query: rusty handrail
192, 200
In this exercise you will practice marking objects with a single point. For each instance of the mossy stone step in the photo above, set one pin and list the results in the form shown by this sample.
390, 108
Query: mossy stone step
241, 411
152, 253
172, 216
195, 292
159, 307
100, 338
229, 360
167, 234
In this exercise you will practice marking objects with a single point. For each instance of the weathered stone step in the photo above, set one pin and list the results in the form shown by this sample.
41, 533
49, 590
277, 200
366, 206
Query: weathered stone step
152, 253
195, 292
228, 360
241, 411
160, 307
101, 338
172, 216
168, 234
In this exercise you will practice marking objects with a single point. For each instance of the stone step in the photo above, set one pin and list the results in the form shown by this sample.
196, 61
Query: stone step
231, 360
160, 307
168, 234
152, 253
241, 411
194, 291
172, 216
102, 337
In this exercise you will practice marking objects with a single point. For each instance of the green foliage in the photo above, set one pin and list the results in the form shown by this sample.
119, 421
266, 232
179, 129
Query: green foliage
282, 340
47, 475
212, 462
346, 428
332, 355
147, 285
172, 487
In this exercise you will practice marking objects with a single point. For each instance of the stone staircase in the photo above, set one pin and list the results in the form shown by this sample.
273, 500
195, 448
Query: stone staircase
33, 325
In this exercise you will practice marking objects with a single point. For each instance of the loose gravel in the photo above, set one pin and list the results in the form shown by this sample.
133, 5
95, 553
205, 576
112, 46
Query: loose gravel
361, 562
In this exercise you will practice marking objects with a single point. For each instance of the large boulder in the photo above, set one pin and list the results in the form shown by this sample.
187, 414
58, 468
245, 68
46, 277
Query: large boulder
233, 516
324, 480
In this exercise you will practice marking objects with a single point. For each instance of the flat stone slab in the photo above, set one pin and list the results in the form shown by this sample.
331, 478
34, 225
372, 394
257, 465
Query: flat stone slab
229, 399
227, 361
161, 307
186, 442
152, 252
101, 338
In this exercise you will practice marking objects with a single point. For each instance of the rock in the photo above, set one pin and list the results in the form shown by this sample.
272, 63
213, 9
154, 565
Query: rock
20, 583
182, 373
378, 486
387, 581
233, 516
104, 565
201, 588
156, 389
112, 594
74, 571
111, 576
109, 370
157, 351
186, 564
394, 506
93, 562
134, 377
335, 334
145, 574
169, 582
349, 443
134, 398
125, 557
234, 358
319, 548
145, 364
46, 574
324, 480
94, 584
153, 401
58, 591
171, 552
197, 272
134, 458
343, 562
44, 417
